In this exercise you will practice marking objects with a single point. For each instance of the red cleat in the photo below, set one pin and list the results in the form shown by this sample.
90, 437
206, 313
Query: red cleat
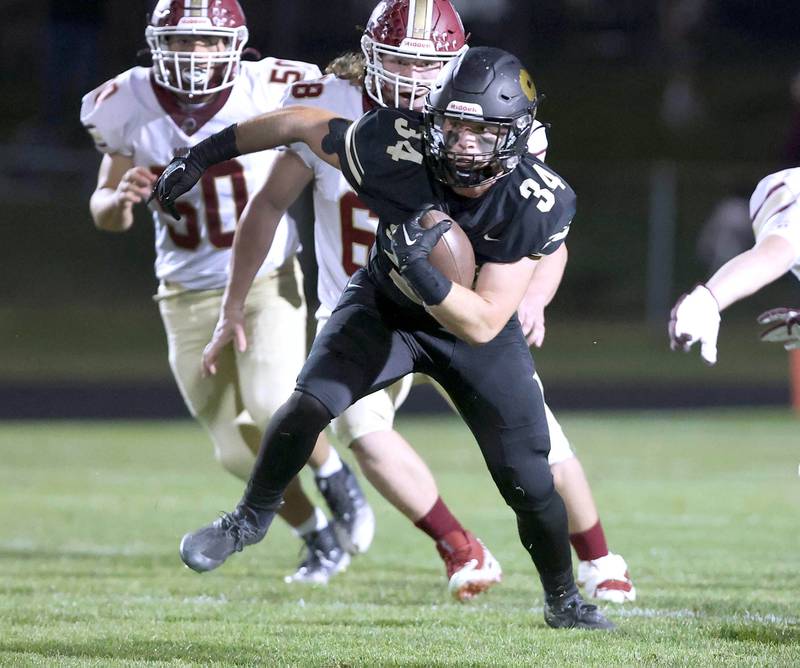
471, 568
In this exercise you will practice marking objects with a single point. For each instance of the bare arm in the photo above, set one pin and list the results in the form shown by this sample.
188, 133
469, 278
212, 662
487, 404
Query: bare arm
543, 287
478, 315
256, 229
251, 243
695, 316
278, 128
120, 185
750, 271
286, 126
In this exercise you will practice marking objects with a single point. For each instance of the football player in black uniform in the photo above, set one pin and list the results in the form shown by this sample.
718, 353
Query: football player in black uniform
464, 154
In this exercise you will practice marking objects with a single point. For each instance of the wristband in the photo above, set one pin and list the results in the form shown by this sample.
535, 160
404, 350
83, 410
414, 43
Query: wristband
429, 283
217, 148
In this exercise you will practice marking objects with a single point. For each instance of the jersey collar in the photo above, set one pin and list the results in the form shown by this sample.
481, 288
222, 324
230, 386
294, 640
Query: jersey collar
367, 103
189, 120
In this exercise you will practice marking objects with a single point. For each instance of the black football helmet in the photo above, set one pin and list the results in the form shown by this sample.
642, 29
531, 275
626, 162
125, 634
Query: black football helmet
490, 87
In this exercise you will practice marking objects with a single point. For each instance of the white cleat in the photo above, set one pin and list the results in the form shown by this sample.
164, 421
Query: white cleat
324, 558
606, 579
353, 519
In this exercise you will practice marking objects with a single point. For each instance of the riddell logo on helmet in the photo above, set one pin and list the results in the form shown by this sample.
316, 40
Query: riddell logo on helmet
194, 21
465, 107
410, 43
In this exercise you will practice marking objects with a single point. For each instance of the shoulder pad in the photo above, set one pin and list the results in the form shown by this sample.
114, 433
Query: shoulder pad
107, 111
537, 142
773, 194
327, 92
284, 72
380, 143
549, 199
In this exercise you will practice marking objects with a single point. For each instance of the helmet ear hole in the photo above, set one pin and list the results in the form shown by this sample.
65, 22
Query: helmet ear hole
144, 58
252, 54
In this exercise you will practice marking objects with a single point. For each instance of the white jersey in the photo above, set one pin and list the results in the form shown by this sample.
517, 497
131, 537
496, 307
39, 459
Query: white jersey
132, 116
344, 227
775, 210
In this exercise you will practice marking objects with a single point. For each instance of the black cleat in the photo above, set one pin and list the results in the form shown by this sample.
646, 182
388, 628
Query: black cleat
353, 519
570, 611
324, 558
209, 547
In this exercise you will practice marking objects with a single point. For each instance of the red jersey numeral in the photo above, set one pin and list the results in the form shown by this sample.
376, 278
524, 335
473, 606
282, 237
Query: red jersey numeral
306, 90
190, 238
285, 76
354, 238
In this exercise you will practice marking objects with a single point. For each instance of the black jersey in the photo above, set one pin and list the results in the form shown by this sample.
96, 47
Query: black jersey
525, 214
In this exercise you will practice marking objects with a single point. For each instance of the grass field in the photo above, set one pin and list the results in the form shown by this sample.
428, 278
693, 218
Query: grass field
76, 345
704, 506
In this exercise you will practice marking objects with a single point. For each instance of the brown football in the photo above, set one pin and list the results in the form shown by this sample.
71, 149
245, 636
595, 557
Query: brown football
453, 254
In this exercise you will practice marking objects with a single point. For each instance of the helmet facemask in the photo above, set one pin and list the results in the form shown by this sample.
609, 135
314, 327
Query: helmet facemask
498, 147
403, 91
196, 73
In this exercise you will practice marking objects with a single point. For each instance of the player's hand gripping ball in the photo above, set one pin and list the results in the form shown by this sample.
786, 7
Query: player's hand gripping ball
453, 254
433, 235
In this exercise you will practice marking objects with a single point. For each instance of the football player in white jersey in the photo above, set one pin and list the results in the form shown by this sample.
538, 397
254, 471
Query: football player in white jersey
196, 86
775, 213
404, 46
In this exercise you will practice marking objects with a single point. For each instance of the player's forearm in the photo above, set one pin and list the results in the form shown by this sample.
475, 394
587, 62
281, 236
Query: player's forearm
251, 243
281, 127
469, 316
547, 277
750, 271
269, 130
108, 212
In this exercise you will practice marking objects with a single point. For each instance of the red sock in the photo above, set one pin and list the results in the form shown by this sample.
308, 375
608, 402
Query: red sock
590, 544
439, 521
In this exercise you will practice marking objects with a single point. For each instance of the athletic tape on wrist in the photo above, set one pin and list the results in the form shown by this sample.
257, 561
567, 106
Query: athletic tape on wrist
428, 282
217, 148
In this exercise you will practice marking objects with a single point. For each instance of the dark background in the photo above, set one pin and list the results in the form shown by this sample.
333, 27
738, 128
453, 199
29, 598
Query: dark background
659, 112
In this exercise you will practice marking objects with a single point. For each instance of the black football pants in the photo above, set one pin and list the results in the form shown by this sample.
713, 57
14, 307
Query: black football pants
368, 343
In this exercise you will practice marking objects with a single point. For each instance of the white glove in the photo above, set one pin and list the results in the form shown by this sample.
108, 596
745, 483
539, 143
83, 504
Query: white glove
785, 327
695, 317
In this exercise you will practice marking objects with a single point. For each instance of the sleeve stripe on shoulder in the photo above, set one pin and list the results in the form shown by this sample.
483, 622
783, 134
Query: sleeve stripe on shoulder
558, 236
776, 200
766, 197
352, 156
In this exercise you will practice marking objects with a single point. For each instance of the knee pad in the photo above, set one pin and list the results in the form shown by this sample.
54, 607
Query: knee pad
524, 476
302, 412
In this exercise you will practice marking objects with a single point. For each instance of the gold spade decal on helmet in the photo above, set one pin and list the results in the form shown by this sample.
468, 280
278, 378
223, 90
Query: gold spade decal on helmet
527, 85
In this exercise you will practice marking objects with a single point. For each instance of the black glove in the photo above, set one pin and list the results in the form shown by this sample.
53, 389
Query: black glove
411, 245
185, 170
411, 241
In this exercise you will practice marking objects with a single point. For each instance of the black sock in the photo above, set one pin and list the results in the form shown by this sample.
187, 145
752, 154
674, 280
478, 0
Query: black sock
545, 534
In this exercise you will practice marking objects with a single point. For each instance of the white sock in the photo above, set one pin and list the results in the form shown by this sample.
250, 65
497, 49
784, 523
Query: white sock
316, 522
332, 465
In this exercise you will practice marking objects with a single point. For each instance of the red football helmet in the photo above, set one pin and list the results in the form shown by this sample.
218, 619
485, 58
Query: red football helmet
419, 30
202, 72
